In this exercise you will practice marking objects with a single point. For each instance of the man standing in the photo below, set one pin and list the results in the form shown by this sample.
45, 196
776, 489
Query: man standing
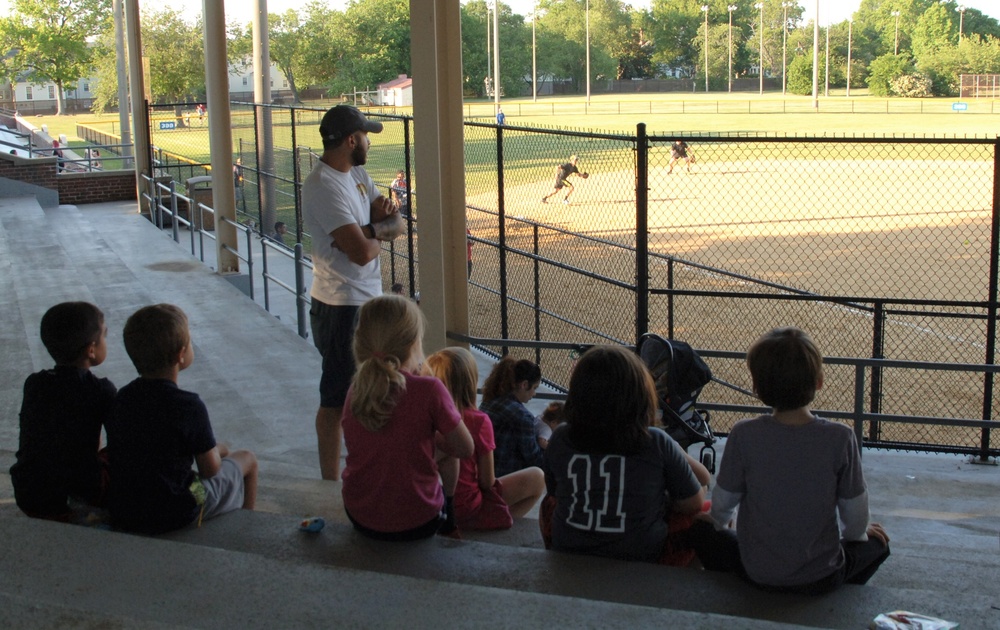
680, 150
501, 117
563, 171
340, 201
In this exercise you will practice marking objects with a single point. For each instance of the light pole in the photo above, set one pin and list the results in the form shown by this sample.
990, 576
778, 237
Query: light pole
784, 44
489, 37
534, 64
816, 59
588, 52
826, 89
704, 9
850, 33
496, 56
895, 46
961, 20
760, 5
731, 8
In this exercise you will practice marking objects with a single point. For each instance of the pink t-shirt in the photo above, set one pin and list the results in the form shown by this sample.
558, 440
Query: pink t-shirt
468, 496
390, 481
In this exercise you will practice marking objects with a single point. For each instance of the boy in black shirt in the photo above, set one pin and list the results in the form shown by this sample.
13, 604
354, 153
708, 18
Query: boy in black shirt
62, 413
157, 431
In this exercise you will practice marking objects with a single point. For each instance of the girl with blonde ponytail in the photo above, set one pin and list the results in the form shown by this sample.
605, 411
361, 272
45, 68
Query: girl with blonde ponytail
393, 420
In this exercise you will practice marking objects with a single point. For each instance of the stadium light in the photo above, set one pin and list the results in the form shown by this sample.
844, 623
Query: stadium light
784, 44
826, 89
534, 50
850, 34
895, 47
704, 9
961, 20
588, 52
760, 5
731, 8
496, 55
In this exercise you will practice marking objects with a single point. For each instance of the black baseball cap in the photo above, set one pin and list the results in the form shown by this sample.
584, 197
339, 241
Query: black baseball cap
343, 120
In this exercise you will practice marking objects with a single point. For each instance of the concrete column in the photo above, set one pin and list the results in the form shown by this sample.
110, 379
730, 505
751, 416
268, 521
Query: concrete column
220, 134
138, 90
262, 94
126, 133
440, 167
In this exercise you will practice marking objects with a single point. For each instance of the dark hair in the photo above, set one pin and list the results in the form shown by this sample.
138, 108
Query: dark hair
785, 366
506, 374
68, 329
611, 402
279, 224
154, 335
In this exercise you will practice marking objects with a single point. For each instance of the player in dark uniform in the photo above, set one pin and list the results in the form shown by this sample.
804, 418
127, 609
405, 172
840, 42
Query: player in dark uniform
562, 173
680, 150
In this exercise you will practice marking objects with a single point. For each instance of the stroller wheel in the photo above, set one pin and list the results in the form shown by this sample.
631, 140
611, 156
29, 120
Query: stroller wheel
708, 458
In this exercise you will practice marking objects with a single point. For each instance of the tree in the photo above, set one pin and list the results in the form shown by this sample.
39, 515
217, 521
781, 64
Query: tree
53, 39
286, 46
884, 70
375, 35
933, 31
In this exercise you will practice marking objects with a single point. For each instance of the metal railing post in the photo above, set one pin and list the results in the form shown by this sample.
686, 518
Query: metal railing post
641, 232
263, 262
249, 234
173, 208
300, 292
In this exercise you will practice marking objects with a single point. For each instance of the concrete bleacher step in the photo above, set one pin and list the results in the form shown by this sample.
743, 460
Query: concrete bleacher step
530, 570
90, 578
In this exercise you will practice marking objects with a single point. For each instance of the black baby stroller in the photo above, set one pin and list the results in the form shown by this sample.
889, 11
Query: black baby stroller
680, 374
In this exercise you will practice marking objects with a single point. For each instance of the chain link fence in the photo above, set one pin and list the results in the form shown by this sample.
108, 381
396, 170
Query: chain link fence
881, 248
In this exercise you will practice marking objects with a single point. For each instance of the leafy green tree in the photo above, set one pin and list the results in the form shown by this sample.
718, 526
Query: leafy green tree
286, 46
934, 30
883, 70
53, 39
375, 39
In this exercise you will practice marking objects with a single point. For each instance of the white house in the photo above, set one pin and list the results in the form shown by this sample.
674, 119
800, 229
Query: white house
241, 81
397, 93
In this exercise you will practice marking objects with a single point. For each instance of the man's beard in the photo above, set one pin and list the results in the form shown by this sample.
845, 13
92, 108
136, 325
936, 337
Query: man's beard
359, 156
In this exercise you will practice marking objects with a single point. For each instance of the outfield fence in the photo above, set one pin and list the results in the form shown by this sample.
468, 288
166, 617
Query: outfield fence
884, 249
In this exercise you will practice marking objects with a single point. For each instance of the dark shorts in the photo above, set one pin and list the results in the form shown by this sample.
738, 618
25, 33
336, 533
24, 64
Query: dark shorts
560, 182
333, 334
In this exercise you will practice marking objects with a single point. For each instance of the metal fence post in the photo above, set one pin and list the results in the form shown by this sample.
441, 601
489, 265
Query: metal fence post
411, 201
878, 352
538, 294
641, 232
297, 174
504, 311
300, 292
991, 317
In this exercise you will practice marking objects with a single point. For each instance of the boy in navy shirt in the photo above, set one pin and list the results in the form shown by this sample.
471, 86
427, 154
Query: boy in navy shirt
62, 412
157, 431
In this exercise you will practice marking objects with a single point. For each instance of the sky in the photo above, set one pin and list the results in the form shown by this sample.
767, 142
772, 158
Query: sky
831, 11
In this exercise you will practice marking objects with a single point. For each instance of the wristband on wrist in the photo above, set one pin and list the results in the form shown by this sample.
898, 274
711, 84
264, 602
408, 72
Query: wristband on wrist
368, 230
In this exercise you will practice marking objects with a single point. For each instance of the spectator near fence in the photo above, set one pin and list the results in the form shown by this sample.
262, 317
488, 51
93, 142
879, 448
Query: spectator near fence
348, 220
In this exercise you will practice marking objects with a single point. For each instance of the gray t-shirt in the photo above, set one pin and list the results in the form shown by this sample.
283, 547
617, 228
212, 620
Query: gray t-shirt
614, 505
788, 481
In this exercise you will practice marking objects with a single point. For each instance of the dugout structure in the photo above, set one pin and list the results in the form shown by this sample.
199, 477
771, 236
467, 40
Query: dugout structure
980, 86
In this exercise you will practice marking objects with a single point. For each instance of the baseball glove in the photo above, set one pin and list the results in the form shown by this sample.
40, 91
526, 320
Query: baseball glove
585, 175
